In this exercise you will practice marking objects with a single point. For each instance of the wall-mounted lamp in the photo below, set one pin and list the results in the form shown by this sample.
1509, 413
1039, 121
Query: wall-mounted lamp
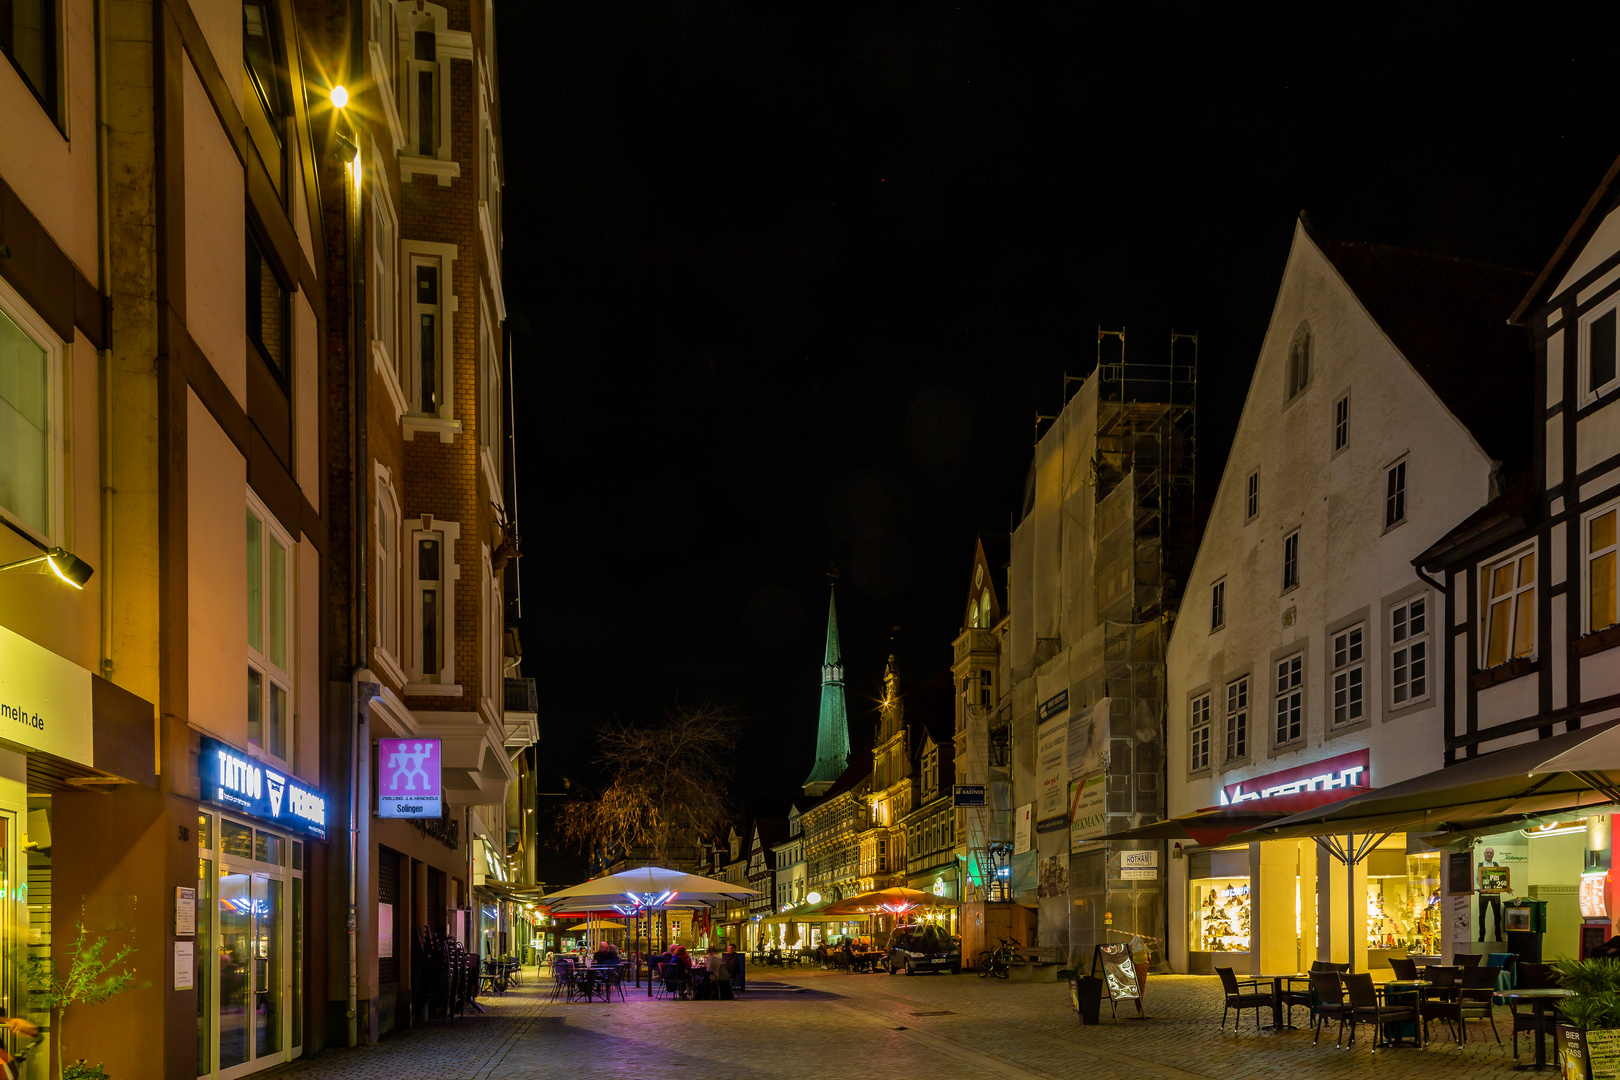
64, 564
340, 97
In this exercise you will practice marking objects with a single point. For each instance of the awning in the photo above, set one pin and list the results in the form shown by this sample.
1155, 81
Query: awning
810, 913
892, 901
1578, 770
1210, 827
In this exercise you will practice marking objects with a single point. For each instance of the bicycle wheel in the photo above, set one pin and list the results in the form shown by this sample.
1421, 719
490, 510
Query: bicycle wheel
984, 962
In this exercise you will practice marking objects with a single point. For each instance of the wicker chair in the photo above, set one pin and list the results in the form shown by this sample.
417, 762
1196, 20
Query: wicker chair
1404, 967
1237, 998
1473, 1002
1365, 1008
1328, 988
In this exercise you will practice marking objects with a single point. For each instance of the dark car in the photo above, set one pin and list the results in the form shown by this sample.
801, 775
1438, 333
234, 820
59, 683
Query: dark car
927, 947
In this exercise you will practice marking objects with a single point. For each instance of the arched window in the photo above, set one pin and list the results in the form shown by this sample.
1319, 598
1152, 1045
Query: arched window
1299, 361
984, 608
973, 615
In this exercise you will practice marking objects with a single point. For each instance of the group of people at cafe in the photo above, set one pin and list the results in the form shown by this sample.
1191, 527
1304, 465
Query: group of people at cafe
713, 976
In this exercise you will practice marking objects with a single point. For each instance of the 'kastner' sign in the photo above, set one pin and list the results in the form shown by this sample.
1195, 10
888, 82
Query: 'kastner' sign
1343, 776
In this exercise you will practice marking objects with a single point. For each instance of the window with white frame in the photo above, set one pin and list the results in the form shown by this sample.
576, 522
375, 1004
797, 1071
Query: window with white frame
1217, 605
1290, 567
424, 68
388, 565
1237, 718
1409, 652
30, 469
494, 643
490, 413
1289, 699
1251, 504
434, 573
1599, 372
270, 622
384, 274
1341, 423
1602, 611
1349, 674
383, 43
427, 333
1509, 630
1395, 495
1299, 361
1198, 722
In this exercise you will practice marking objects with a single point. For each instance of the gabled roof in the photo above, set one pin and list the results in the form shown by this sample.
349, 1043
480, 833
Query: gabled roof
1502, 517
1570, 247
1448, 317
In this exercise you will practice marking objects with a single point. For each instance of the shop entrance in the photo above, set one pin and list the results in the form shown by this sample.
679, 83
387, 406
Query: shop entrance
249, 947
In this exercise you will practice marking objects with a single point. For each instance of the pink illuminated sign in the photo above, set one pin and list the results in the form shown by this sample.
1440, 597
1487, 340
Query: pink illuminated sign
408, 778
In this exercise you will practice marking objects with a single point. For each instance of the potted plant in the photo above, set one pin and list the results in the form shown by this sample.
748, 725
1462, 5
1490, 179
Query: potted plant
89, 980
1591, 1013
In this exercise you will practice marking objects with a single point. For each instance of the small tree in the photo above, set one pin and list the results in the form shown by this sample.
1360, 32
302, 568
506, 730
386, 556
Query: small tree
666, 786
90, 980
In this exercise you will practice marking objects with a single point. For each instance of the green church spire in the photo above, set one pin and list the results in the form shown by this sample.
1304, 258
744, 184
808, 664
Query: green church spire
832, 730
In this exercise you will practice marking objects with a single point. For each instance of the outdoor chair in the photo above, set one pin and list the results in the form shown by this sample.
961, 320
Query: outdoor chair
1473, 1002
1468, 959
562, 981
1365, 1008
1404, 967
1534, 976
1328, 989
1238, 999
1445, 980
1328, 965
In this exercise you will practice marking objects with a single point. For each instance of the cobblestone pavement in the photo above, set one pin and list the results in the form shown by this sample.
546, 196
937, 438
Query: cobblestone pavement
824, 1026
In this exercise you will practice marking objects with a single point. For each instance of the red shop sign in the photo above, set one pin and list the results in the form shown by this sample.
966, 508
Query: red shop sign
1321, 782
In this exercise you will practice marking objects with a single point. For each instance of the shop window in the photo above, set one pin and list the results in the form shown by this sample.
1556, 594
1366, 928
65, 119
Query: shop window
1289, 698
1510, 608
1237, 719
1409, 652
1199, 722
28, 458
1602, 610
269, 596
1349, 675
29, 36
1220, 910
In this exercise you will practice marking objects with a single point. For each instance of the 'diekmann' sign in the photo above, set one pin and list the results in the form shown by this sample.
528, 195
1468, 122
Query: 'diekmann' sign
251, 787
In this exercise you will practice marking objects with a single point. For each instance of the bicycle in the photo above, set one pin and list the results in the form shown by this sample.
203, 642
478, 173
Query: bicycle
995, 961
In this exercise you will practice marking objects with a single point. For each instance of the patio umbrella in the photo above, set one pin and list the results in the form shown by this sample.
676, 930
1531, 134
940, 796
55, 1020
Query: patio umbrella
604, 924
1576, 770
646, 888
892, 901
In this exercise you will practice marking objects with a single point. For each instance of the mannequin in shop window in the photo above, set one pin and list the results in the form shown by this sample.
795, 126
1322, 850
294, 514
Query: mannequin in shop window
1491, 886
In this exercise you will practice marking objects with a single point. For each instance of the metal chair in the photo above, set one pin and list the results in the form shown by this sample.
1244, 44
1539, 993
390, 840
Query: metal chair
1365, 1008
1328, 990
1473, 1002
1237, 998
1404, 967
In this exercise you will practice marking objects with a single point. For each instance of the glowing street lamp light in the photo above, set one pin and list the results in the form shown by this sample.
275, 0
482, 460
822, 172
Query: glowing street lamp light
340, 97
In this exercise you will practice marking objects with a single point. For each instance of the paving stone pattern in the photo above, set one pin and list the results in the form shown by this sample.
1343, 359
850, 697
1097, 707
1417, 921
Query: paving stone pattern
895, 1027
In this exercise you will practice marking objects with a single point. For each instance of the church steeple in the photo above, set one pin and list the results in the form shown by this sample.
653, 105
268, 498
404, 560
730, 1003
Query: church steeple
832, 730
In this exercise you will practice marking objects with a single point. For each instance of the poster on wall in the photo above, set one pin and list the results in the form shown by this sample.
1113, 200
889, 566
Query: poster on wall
1087, 817
1088, 735
385, 930
1054, 879
1462, 918
1052, 763
1021, 829
408, 778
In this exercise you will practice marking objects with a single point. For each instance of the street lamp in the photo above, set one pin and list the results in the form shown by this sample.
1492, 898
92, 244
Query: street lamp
340, 97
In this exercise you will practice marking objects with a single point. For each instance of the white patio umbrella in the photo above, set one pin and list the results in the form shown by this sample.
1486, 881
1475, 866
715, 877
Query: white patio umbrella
646, 888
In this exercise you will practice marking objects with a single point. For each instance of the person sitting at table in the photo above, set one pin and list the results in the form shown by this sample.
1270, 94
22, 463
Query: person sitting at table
606, 955
734, 964
678, 979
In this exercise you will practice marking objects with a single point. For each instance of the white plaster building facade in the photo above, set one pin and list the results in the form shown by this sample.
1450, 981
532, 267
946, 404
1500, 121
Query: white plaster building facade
1303, 643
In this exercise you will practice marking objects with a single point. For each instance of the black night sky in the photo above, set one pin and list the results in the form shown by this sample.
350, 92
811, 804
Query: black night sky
789, 284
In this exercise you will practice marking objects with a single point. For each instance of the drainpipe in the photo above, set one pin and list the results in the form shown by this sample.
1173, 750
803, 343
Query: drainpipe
104, 373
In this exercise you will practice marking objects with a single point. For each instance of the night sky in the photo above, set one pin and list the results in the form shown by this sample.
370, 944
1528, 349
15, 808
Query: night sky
789, 283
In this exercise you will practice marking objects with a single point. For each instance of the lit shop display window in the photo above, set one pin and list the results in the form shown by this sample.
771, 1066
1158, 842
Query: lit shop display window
1403, 904
1220, 914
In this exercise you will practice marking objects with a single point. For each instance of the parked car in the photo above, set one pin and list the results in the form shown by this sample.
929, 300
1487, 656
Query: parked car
926, 947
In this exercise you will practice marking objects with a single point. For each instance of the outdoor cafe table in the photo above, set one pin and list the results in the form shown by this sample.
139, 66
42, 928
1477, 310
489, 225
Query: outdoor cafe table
1277, 1022
1401, 1029
1538, 1000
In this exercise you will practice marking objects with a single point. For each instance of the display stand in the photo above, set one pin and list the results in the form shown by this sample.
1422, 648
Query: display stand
1122, 976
